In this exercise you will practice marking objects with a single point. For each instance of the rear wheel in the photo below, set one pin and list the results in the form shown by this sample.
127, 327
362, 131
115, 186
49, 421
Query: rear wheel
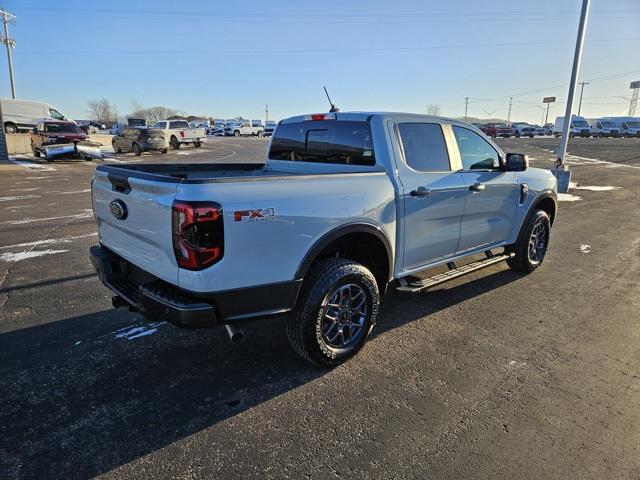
175, 144
197, 144
10, 128
164, 150
236, 133
137, 151
532, 244
116, 148
337, 308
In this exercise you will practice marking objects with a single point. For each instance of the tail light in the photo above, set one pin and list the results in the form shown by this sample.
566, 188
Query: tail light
198, 234
182, 133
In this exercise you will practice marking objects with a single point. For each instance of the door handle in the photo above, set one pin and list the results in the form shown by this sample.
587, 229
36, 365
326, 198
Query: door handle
420, 192
477, 187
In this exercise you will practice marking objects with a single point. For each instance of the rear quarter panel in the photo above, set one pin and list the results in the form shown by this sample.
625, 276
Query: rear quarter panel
269, 250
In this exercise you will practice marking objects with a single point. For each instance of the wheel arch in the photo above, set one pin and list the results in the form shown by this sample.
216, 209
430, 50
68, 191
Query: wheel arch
546, 201
363, 242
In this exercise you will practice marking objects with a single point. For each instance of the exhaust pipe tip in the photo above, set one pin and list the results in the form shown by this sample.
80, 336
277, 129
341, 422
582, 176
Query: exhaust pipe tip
236, 335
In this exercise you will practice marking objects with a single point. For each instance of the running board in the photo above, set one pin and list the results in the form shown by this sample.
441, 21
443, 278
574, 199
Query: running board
422, 284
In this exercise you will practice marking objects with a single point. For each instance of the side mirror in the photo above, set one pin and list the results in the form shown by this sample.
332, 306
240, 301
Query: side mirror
516, 162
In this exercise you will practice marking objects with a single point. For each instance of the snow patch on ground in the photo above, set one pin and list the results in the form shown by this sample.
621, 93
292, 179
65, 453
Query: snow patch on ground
584, 248
18, 197
17, 256
137, 332
567, 197
48, 241
596, 188
38, 166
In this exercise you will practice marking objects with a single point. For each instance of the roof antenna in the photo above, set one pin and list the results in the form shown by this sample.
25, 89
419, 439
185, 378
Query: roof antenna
333, 108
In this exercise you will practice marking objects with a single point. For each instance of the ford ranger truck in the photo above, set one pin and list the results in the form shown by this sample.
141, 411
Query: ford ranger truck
346, 205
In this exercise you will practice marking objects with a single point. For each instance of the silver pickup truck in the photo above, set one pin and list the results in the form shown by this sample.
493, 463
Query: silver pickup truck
346, 205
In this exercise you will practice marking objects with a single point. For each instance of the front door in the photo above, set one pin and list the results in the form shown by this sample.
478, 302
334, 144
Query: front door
432, 195
492, 196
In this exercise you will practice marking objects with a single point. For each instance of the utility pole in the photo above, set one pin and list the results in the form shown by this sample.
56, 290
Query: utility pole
466, 107
489, 113
509, 113
562, 173
582, 84
633, 101
10, 43
266, 109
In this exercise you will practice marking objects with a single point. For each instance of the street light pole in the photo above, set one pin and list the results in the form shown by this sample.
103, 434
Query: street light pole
9, 43
562, 149
582, 84
509, 112
466, 107
546, 117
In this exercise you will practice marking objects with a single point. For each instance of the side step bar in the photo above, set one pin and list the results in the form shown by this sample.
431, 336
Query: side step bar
422, 284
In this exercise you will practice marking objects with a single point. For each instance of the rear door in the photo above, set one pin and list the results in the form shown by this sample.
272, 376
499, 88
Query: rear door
432, 195
143, 234
492, 194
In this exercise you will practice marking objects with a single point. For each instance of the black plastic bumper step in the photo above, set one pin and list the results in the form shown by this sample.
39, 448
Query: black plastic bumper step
422, 284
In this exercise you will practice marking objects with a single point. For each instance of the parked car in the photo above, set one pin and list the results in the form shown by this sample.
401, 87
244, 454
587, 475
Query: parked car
117, 128
23, 115
523, 129
230, 126
504, 131
629, 126
540, 131
55, 137
136, 122
90, 126
247, 127
140, 139
319, 232
579, 127
603, 127
491, 129
178, 133
269, 127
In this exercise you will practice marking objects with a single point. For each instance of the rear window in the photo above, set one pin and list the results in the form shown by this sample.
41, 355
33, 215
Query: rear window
179, 124
61, 128
326, 141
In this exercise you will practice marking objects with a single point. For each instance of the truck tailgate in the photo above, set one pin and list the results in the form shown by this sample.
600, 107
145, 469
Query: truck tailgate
134, 221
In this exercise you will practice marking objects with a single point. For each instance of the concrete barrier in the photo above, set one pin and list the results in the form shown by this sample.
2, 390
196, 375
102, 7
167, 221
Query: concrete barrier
18, 143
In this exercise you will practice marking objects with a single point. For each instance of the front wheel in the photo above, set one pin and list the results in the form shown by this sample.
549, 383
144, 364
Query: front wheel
337, 308
532, 244
236, 133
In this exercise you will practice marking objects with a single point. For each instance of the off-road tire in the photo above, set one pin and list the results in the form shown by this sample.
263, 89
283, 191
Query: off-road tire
304, 324
521, 261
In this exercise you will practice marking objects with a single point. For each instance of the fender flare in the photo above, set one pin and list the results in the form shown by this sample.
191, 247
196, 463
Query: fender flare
533, 207
341, 231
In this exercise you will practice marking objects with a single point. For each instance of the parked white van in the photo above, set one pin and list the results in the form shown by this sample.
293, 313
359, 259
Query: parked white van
629, 126
579, 127
604, 127
23, 115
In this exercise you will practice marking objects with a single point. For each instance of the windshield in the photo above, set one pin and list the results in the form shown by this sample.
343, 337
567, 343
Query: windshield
580, 124
61, 128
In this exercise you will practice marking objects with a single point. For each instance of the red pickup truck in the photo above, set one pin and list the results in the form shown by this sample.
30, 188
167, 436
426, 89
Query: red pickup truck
55, 137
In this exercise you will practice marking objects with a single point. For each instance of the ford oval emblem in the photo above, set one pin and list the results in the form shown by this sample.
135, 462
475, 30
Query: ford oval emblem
118, 209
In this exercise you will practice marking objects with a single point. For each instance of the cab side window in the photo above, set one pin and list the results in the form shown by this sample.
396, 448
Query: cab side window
56, 114
424, 147
475, 152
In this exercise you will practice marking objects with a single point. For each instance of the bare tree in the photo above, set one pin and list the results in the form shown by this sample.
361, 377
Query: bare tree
151, 114
433, 109
102, 110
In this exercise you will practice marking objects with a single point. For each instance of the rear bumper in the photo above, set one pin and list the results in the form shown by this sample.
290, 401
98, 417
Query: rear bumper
161, 301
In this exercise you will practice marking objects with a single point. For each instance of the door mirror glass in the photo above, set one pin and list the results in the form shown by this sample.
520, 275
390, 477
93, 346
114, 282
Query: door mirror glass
516, 162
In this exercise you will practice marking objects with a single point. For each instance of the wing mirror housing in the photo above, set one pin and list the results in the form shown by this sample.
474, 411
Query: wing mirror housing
516, 162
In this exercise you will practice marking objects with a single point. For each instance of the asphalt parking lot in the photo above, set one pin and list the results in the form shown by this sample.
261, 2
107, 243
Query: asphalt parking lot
495, 375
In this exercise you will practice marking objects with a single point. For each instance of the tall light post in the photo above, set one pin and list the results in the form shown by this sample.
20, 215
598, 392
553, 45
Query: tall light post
10, 43
582, 84
562, 172
466, 107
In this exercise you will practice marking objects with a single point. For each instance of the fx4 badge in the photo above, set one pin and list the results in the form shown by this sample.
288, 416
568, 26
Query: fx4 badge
257, 214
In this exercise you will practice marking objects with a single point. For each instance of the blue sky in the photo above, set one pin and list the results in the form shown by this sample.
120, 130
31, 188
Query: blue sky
231, 58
